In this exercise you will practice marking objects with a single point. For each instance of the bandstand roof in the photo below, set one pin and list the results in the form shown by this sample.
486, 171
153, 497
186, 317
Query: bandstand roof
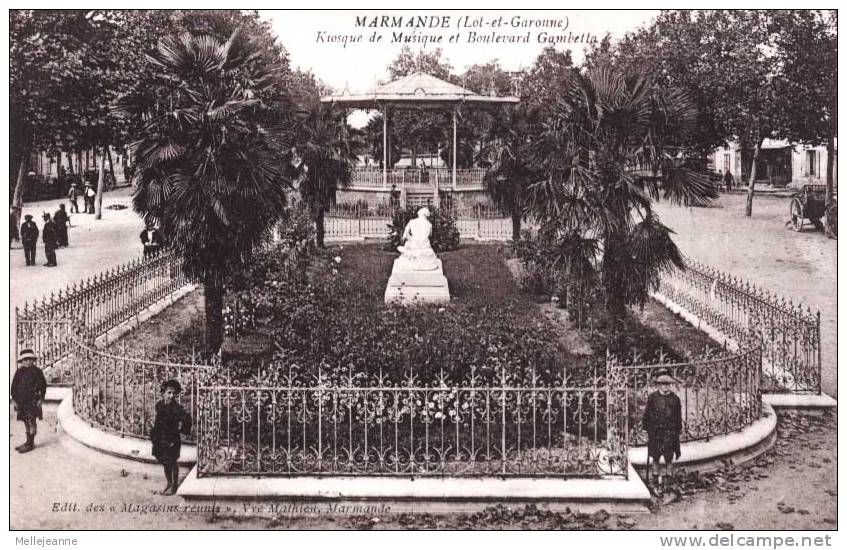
417, 89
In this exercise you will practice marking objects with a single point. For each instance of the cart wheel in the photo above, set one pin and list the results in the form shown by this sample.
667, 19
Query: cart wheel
796, 215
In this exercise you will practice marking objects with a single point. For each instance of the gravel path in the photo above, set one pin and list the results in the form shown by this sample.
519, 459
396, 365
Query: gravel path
797, 266
791, 487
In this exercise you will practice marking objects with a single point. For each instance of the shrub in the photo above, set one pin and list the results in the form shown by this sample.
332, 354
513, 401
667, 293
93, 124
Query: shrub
445, 234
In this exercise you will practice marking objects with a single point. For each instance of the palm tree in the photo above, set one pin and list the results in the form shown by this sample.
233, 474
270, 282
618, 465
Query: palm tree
605, 153
211, 129
507, 148
326, 150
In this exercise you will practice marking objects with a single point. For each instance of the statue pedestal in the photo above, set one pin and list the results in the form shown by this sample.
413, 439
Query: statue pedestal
408, 286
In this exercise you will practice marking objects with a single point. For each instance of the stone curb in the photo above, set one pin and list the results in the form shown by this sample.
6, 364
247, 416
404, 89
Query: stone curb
126, 447
630, 493
712, 454
793, 401
800, 401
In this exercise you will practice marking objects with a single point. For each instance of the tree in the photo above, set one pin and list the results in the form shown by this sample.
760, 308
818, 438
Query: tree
326, 153
547, 79
807, 44
593, 201
508, 150
755, 74
211, 128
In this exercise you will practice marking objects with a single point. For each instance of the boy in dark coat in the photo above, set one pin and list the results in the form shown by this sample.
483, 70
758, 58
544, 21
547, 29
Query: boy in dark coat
171, 421
28, 390
29, 238
663, 423
61, 219
49, 237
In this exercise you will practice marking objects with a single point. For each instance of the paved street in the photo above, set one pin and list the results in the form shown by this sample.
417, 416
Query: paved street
760, 249
94, 246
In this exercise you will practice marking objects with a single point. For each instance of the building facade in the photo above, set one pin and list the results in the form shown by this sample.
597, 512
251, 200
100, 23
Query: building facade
780, 163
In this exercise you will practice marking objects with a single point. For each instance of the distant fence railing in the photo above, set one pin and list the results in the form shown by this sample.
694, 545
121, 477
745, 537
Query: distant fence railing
718, 395
304, 422
352, 222
419, 179
788, 335
94, 306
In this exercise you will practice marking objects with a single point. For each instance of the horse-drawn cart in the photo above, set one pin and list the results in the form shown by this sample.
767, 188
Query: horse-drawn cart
809, 203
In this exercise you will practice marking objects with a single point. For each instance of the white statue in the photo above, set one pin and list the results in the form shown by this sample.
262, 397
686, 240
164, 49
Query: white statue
417, 254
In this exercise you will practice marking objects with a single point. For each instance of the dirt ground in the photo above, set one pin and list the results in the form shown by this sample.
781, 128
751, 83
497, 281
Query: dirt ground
762, 250
62, 485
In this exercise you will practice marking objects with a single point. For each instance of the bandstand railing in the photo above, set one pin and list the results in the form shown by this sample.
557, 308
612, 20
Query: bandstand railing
303, 422
417, 179
93, 307
788, 334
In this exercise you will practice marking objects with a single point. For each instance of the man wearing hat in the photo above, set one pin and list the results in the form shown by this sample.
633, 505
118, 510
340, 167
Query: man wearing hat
29, 238
88, 195
171, 421
663, 423
50, 238
28, 390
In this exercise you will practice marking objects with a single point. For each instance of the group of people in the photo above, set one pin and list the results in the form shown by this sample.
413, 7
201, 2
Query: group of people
54, 235
88, 194
29, 387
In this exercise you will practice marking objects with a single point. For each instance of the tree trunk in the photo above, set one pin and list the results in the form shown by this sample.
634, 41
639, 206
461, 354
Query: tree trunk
101, 183
752, 183
81, 170
20, 189
213, 301
516, 226
830, 169
615, 272
111, 165
319, 227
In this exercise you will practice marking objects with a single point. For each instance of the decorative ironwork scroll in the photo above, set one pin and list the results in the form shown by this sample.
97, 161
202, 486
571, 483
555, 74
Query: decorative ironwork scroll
307, 423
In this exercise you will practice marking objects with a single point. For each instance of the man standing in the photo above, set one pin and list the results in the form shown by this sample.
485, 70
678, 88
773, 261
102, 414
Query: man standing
73, 193
14, 235
28, 390
29, 238
151, 239
48, 236
61, 219
90, 193
663, 423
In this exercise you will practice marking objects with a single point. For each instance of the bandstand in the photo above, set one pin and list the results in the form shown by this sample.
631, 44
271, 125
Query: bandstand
417, 91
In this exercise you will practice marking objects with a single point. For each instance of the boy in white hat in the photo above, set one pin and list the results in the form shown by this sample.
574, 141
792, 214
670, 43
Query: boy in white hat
28, 390
663, 423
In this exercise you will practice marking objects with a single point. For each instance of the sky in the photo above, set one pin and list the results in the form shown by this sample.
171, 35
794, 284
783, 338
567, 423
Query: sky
316, 40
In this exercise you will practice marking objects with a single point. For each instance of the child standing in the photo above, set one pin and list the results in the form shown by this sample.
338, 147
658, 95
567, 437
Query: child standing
28, 390
171, 421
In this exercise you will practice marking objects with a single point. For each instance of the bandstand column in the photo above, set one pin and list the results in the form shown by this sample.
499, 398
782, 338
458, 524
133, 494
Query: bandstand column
455, 109
385, 149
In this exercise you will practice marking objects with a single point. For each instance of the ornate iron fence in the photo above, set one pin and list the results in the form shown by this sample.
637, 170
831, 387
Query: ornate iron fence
93, 306
308, 423
788, 335
118, 393
718, 395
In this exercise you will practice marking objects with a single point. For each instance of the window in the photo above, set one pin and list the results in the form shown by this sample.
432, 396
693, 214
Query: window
726, 162
812, 163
